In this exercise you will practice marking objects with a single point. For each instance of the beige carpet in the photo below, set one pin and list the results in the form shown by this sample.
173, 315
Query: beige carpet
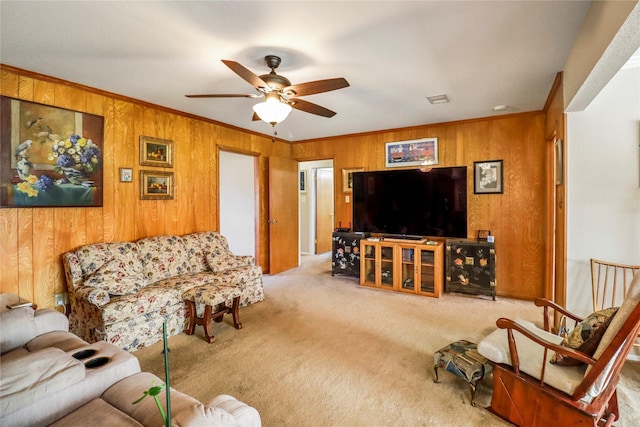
324, 351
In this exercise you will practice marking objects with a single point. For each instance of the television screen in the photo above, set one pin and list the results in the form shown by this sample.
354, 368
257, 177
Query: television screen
412, 202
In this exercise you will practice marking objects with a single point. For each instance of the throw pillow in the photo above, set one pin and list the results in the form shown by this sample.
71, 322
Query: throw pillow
585, 337
119, 276
221, 262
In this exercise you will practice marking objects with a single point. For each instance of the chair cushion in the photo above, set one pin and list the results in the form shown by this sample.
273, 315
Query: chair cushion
586, 336
119, 276
495, 347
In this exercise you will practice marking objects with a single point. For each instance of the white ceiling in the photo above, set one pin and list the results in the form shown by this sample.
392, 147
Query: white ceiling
394, 54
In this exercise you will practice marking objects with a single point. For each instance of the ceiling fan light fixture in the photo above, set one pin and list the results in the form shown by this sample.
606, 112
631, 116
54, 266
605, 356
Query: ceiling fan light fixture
272, 110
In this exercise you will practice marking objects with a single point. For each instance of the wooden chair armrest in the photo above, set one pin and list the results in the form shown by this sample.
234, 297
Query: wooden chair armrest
510, 326
546, 304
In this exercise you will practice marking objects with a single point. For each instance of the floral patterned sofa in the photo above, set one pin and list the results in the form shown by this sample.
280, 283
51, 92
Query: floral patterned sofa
123, 292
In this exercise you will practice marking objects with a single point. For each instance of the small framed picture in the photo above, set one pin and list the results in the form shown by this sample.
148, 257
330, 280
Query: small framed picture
303, 181
484, 234
126, 175
487, 177
156, 152
347, 179
156, 185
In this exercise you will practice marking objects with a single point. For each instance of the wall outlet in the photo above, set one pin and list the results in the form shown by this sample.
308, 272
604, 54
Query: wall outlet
61, 299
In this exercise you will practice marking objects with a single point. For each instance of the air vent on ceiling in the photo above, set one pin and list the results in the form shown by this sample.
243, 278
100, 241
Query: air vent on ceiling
438, 99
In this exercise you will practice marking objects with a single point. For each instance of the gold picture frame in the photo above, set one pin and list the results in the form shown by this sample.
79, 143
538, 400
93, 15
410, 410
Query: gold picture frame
155, 185
156, 152
347, 179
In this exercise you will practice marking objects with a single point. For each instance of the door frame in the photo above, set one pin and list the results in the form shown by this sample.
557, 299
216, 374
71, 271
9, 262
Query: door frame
312, 222
256, 193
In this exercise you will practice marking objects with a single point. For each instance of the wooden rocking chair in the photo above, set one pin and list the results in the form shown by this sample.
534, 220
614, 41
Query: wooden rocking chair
530, 391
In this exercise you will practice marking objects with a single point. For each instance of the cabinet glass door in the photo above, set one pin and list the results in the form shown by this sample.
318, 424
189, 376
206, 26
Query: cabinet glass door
368, 268
408, 270
427, 271
386, 266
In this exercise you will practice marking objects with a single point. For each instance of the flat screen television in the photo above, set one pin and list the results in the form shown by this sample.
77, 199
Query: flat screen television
411, 202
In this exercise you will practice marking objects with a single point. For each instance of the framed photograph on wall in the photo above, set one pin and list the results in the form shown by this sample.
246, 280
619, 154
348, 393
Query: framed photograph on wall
156, 152
415, 152
156, 185
302, 185
487, 177
347, 179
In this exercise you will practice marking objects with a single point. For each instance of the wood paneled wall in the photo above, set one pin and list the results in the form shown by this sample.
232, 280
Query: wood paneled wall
516, 218
33, 239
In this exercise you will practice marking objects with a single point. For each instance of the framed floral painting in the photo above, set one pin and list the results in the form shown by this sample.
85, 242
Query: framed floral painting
49, 156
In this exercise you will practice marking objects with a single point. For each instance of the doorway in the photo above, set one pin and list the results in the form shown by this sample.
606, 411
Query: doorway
237, 221
316, 206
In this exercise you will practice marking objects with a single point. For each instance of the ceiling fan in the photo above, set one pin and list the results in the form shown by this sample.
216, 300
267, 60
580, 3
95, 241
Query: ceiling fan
280, 95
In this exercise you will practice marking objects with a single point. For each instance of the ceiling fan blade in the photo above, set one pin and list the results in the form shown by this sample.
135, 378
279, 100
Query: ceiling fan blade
309, 107
317, 86
225, 95
245, 73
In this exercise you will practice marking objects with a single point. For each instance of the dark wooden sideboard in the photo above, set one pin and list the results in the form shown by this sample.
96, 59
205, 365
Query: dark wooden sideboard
471, 267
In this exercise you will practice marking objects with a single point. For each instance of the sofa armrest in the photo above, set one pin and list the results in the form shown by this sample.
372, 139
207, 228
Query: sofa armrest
244, 414
72, 270
49, 320
94, 296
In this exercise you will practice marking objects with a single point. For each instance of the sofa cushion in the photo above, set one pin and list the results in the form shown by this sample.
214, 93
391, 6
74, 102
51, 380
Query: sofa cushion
31, 378
186, 410
163, 257
18, 327
94, 256
184, 282
148, 301
119, 276
96, 413
225, 261
195, 252
586, 336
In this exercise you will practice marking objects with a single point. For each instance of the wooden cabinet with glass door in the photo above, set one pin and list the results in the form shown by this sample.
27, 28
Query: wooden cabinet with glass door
377, 264
404, 267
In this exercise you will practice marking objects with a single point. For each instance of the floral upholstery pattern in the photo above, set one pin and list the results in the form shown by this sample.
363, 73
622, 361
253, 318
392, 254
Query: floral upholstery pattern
211, 295
171, 266
119, 276
218, 263
92, 257
163, 257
